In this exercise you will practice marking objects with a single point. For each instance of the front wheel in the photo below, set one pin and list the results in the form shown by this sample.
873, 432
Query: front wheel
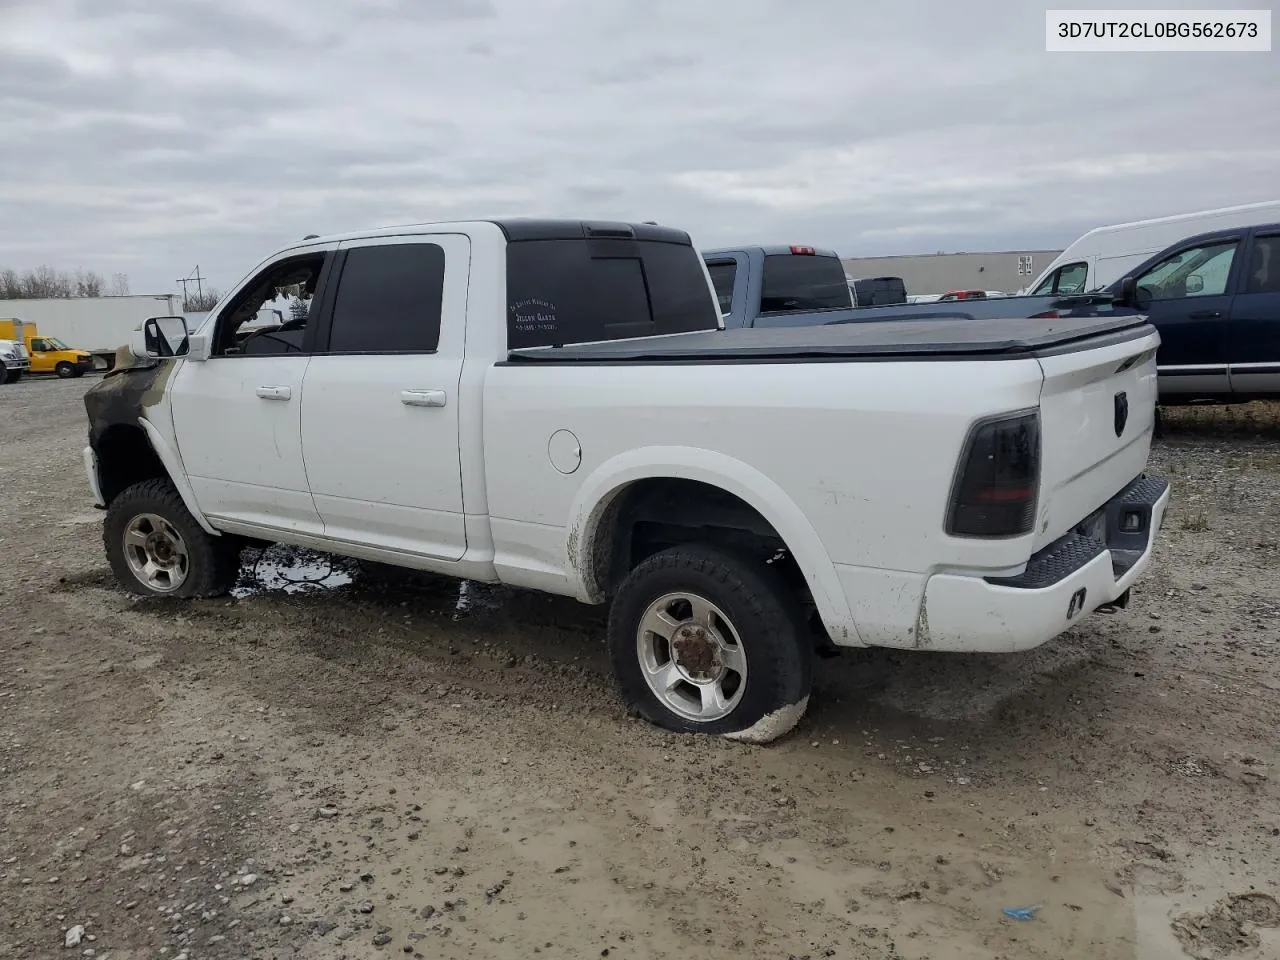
157, 549
705, 641
65, 370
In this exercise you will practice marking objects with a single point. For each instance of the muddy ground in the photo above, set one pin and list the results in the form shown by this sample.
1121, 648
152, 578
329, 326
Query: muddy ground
353, 771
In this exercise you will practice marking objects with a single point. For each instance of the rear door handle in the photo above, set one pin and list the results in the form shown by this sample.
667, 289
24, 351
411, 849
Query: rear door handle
1205, 314
274, 393
423, 398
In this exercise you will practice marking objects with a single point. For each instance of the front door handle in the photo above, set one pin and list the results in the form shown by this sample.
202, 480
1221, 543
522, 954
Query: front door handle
1205, 314
274, 393
423, 398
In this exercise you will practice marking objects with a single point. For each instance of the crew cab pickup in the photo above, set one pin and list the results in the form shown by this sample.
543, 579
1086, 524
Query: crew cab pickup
555, 405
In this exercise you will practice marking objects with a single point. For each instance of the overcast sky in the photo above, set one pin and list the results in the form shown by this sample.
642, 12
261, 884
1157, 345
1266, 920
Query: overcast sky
146, 136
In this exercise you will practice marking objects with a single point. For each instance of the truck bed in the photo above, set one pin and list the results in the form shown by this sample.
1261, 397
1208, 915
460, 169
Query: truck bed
995, 339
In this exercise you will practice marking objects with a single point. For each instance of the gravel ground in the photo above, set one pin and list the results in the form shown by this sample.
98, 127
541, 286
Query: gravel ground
343, 770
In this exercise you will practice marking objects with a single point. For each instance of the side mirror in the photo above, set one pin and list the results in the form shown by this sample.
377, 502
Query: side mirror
1128, 292
166, 337
1195, 283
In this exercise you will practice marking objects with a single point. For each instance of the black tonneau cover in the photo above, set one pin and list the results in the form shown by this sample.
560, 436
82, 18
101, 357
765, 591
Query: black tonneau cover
993, 339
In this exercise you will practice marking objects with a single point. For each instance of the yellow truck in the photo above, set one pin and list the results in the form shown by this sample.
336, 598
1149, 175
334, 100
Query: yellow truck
48, 354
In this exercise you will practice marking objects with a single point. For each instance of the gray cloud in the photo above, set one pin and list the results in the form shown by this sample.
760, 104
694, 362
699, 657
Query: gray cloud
148, 137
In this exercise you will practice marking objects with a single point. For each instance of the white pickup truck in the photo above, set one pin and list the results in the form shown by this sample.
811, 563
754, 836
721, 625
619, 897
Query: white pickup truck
555, 405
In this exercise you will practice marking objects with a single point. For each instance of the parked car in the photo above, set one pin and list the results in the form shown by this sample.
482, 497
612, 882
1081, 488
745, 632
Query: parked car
14, 361
969, 295
1105, 254
556, 406
47, 354
878, 291
1215, 298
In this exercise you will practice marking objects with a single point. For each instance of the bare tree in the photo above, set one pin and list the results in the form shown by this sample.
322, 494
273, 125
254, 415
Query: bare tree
45, 282
87, 284
119, 285
207, 299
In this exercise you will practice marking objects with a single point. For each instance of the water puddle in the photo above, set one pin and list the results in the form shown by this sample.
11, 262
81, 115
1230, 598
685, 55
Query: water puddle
291, 570
295, 570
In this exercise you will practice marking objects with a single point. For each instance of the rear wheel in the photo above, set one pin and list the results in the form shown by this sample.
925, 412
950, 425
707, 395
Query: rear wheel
6, 374
65, 370
707, 641
157, 549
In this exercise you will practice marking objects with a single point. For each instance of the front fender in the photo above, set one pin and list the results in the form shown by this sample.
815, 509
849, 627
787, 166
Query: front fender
601, 488
173, 466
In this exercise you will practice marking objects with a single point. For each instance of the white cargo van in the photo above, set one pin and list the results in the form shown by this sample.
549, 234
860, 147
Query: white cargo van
1104, 254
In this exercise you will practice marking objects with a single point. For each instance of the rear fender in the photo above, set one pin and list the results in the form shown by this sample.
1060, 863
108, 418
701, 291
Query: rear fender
590, 512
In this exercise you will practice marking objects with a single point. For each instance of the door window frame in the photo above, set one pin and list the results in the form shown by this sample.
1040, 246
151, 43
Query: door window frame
1194, 243
455, 292
324, 328
216, 322
1056, 277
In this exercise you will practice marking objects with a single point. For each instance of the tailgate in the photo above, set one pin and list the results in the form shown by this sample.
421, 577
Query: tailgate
1097, 414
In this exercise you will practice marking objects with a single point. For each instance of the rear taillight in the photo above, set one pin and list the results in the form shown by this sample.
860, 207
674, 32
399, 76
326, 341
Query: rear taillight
995, 489
804, 251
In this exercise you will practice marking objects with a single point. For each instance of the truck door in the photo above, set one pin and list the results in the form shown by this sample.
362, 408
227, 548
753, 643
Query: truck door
1185, 294
237, 414
380, 404
1254, 331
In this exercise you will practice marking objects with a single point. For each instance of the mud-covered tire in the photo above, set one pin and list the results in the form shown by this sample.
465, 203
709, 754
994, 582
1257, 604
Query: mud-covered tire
65, 370
757, 607
212, 563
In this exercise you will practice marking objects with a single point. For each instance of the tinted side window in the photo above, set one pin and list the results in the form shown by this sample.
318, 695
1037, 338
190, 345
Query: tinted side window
389, 300
1198, 272
576, 291
722, 274
796, 282
1264, 266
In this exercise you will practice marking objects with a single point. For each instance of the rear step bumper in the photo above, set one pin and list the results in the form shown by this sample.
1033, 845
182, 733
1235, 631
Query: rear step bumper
1091, 567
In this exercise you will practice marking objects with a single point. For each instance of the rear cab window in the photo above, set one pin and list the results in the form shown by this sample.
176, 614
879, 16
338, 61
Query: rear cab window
803, 282
605, 285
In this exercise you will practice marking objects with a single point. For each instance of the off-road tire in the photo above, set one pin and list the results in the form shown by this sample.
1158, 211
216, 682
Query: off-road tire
764, 614
213, 562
